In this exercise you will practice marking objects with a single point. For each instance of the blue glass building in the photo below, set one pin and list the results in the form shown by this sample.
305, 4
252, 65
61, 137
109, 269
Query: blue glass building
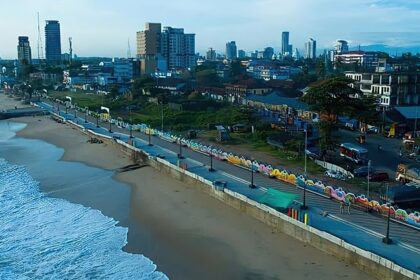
52, 41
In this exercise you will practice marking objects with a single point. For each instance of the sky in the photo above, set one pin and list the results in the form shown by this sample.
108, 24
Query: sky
104, 27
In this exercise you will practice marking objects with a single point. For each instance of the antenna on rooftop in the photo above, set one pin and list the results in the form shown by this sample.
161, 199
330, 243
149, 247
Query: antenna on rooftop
128, 49
40, 48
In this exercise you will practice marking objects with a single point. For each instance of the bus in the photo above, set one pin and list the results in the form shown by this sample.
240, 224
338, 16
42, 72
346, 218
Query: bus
354, 153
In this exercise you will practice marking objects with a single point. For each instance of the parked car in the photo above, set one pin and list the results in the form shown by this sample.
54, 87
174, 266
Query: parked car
363, 171
379, 176
335, 174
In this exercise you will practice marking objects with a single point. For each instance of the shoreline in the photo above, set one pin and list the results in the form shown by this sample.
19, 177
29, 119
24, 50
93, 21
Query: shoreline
193, 235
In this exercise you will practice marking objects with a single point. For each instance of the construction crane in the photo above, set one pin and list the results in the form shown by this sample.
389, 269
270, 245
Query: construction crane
70, 50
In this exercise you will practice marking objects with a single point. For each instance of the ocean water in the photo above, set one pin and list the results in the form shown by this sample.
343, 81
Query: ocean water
42, 237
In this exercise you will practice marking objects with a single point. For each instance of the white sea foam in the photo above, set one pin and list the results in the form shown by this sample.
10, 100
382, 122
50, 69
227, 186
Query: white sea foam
49, 238
8, 129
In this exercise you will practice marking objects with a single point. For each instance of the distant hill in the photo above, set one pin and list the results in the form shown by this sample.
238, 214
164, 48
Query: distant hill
392, 50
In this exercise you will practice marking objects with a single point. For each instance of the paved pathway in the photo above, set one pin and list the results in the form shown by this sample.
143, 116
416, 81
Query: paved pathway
359, 228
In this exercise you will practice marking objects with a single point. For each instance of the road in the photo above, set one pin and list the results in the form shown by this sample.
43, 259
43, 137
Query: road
371, 228
388, 158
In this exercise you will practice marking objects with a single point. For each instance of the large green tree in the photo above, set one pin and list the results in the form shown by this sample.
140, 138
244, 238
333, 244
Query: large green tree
333, 97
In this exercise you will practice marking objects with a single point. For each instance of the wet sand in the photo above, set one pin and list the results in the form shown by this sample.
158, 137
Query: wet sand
188, 234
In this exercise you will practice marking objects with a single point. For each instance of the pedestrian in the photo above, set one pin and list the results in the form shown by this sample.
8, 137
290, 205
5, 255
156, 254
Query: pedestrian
341, 207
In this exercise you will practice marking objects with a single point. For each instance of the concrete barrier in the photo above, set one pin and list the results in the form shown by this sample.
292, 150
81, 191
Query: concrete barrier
371, 263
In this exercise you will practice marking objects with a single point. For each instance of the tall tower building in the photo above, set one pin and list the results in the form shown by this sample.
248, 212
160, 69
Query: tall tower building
211, 55
310, 49
24, 50
149, 47
231, 50
285, 49
178, 48
52, 41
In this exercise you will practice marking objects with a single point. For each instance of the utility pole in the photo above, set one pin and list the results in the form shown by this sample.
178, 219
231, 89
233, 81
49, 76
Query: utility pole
368, 179
304, 206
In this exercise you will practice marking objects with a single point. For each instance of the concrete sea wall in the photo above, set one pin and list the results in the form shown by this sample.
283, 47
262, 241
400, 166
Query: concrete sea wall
371, 263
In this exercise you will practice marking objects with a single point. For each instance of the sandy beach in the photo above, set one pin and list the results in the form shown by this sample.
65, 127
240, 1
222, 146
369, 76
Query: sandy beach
188, 234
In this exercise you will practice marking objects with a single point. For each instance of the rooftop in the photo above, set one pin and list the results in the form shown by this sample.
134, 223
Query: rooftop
278, 98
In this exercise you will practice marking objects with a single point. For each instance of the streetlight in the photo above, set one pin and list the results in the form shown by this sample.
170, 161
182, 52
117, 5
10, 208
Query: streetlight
131, 122
97, 119
387, 239
150, 137
211, 161
86, 113
180, 149
109, 116
68, 98
161, 127
252, 185
304, 206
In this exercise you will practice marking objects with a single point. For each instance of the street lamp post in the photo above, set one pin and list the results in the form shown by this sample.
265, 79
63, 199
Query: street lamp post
131, 123
252, 185
211, 161
109, 117
150, 137
304, 206
180, 149
86, 114
97, 119
161, 128
387, 239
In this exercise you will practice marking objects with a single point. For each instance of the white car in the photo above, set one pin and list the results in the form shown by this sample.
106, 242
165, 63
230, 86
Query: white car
335, 174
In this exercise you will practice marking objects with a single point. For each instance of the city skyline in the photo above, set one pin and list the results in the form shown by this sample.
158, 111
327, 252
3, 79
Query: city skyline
252, 24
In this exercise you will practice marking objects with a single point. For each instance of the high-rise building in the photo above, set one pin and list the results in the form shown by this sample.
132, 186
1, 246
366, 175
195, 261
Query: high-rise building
149, 47
310, 49
178, 48
52, 41
231, 50
285, 49
211, 54
341, 47
24, 50
241, 54
268, 53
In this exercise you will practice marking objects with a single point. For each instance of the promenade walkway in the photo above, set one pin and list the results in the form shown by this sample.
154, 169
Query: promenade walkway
361, 229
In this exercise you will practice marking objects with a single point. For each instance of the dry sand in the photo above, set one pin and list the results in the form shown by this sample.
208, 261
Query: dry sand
7, 102
188, 234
